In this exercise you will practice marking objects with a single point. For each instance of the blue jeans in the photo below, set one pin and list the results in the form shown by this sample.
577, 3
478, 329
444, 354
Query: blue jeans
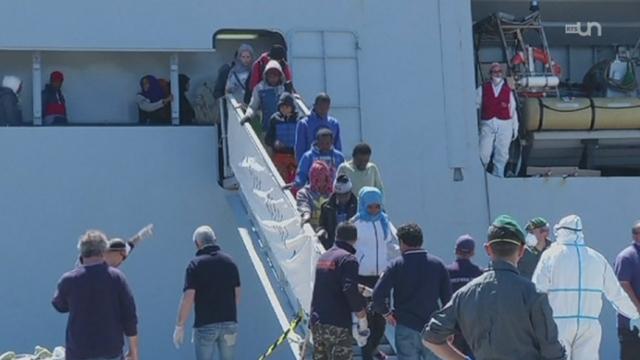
409, 345
221, 335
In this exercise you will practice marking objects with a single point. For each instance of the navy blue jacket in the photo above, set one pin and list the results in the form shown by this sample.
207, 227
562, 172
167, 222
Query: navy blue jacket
461, 272
335, 292
418, 281
101, 311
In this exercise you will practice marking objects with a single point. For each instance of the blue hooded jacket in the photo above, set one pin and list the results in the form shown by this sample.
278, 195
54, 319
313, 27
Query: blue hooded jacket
333, 158
307, 130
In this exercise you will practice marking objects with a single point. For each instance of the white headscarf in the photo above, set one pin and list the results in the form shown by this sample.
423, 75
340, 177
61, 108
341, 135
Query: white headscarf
12, 82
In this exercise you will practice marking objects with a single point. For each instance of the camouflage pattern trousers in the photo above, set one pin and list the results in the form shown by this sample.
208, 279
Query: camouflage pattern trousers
331, 342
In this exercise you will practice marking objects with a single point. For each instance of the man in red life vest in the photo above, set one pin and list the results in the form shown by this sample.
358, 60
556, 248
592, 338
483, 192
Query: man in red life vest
498, 120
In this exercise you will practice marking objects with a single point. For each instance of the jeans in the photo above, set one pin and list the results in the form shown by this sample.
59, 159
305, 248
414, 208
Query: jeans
221, 335
409, 345
629, 344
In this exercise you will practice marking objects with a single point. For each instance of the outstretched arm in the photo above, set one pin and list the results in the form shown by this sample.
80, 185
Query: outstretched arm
144, 233
616, 295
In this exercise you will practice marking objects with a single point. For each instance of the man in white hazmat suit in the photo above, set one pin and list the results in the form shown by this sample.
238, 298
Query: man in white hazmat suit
575, 278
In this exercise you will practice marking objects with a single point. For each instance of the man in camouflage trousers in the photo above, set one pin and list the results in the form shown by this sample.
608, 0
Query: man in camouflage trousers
335, 298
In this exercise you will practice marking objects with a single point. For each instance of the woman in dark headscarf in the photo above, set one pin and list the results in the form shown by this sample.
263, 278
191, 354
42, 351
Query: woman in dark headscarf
153, 106
186, 110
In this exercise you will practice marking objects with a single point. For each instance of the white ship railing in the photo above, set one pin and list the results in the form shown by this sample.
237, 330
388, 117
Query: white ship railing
290, 248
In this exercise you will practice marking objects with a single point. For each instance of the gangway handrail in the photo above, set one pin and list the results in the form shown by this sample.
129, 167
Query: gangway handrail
289, 247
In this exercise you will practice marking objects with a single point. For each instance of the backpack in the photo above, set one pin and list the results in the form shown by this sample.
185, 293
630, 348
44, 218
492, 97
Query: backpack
206, 106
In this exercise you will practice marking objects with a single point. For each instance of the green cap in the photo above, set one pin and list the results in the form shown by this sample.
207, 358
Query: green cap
512, 232
537, 223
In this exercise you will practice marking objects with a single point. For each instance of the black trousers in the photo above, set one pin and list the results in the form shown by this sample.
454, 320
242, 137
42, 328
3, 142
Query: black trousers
629, 344
376, 321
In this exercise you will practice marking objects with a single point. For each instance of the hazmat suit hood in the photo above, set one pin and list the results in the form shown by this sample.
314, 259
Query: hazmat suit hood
12, 82
272, 64
569, 231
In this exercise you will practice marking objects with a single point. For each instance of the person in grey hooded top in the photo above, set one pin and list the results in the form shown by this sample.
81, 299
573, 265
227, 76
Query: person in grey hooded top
10, 112
266, 94
239, 73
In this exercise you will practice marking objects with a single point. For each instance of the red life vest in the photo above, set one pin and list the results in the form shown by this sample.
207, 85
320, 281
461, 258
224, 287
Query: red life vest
496, 107
56, 109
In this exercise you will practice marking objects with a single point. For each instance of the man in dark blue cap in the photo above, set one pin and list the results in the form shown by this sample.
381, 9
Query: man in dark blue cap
500, 313
461, 272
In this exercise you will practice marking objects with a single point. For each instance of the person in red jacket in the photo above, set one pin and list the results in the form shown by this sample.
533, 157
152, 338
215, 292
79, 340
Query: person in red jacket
277, 53
54, 107
498, 120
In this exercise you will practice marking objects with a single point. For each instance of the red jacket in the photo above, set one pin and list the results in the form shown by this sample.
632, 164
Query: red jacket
258, 68
496, 107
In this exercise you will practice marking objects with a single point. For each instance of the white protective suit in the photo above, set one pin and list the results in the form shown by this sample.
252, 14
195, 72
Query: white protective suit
575, 278
496, 135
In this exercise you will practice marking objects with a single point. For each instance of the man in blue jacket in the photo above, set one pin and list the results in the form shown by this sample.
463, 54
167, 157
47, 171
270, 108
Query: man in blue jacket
419, 281
308, 128
322, 150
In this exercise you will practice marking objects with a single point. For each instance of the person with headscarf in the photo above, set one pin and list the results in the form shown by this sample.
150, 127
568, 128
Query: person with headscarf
154, 106
311, 197
54, 108
10, 112
576, 276
239, 73
375, 250
187, 114
265, 96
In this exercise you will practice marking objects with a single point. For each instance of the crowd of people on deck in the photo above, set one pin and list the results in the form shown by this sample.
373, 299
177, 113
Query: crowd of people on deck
537, 299
153, 101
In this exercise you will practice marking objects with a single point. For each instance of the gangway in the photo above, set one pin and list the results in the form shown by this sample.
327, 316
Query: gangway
282, 244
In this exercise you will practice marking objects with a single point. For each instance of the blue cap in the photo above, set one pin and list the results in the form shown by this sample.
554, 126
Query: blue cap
465, 244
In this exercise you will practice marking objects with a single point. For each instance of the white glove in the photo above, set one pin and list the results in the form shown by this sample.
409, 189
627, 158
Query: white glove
361, 331
516, 127
635, 323
146, 231
178, 336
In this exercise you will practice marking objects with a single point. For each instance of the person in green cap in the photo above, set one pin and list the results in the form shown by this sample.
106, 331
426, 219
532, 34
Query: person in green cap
500, 313
537, 242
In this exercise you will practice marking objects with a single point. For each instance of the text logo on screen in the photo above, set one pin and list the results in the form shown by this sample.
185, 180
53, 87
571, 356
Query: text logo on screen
577, 28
